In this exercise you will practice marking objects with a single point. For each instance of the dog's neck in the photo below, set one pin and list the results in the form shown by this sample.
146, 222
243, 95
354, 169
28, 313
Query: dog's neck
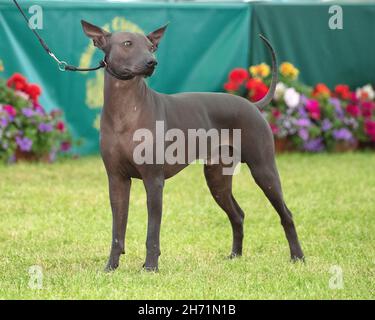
124, 99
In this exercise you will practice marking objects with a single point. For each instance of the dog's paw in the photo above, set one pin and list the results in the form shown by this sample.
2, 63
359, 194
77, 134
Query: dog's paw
150, 268
234, 256
296, 259
110, 267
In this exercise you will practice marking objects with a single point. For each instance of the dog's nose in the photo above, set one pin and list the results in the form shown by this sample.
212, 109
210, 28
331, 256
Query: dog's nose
151, 63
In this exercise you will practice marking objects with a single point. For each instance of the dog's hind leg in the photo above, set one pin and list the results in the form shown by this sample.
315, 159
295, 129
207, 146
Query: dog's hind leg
267, 178
221, 189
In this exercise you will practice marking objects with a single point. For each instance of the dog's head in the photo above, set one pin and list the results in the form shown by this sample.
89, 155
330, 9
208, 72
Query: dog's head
127, 54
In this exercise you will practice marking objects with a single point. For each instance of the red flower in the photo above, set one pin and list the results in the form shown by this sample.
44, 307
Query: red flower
370, 129
257, 89
231, 86
10, 110
60, 126
353, 110
17, 81
33, 91
238, 75
342, 91
321, 90
312, 107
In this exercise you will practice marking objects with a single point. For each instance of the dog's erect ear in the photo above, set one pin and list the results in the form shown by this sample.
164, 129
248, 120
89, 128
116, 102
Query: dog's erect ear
156, 35
98, 35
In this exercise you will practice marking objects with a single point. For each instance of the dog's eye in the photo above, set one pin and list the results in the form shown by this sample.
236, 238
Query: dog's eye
153, 48
127, 43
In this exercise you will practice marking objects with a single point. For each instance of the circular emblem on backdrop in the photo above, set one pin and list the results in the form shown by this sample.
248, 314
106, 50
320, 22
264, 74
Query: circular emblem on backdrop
95, 81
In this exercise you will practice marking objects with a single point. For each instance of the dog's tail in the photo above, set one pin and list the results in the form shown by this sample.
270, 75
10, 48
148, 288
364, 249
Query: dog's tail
271, 91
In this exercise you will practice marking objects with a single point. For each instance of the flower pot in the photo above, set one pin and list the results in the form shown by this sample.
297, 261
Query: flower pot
363, 145
283, 145
29, 156
345, 146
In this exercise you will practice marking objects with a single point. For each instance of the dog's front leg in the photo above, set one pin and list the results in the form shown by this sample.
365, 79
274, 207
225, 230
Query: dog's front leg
154, 189
119, 190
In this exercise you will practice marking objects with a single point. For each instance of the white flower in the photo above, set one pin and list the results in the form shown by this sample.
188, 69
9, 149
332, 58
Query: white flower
279, 91
22, 94
366, 92
292, 98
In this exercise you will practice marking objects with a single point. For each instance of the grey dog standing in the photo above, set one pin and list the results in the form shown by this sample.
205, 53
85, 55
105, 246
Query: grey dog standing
129, 105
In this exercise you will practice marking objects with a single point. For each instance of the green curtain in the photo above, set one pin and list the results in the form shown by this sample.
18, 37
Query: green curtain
202, 43
301, 35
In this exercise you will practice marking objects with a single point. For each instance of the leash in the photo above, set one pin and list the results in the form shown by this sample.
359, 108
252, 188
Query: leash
62, 65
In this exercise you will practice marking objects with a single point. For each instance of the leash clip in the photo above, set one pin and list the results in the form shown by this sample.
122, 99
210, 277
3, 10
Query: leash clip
62, 65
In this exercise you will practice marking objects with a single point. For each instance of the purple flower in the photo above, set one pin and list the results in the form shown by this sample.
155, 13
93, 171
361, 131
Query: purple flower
39, 112
338, 109
3, 122
304, 99
28, 112
326, 124
314, 145
45, 127
342, 134
302, 112
303, 122
303, 133
24, 143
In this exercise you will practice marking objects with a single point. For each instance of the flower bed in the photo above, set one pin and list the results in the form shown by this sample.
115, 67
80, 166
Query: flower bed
309, 119
27, 131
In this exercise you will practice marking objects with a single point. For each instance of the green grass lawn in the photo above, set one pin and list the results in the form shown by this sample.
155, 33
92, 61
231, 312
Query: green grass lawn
58, 217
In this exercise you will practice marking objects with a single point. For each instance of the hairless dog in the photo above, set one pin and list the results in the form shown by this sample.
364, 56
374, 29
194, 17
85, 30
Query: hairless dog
129, 105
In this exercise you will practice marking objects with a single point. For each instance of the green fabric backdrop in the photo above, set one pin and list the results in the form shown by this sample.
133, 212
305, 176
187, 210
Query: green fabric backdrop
203, 42
300, 34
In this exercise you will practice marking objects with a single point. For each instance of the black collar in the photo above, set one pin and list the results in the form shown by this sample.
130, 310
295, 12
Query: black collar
113, 73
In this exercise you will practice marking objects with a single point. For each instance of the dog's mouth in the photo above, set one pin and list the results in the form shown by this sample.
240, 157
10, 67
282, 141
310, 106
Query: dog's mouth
149, 71
127, 74
123, 75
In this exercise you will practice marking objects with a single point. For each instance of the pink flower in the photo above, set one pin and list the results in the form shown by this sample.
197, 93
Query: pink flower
60, 126
370, 129
10, 110
312, 106
367, 107
353, 110
65, 146
274, 128
276, 113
